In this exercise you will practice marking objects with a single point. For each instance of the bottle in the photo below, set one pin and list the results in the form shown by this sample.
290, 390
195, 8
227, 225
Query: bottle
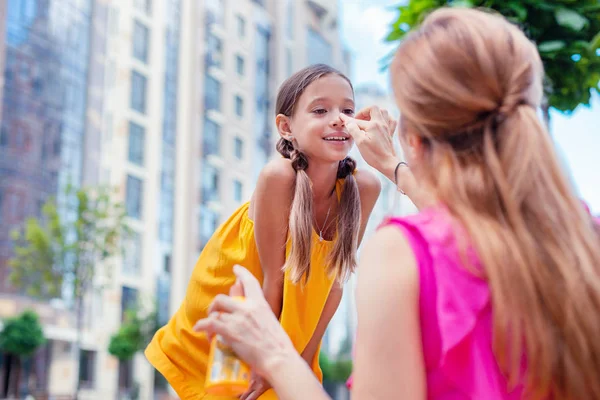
226, 374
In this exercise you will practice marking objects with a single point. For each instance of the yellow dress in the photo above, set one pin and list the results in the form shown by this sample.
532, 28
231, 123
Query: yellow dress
181, 355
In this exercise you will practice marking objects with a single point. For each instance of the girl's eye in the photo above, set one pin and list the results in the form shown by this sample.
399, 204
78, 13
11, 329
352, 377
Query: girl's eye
349, 111
320, 111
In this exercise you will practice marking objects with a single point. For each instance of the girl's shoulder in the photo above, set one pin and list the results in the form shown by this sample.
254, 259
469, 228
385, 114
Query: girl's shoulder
278, 171
369, 184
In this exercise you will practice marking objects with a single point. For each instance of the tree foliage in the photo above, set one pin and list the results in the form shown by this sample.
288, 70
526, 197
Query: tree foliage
68, 244
566, 32
22, 335
134, 334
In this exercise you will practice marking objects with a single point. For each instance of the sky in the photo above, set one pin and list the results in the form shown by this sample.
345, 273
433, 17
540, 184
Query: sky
577, 137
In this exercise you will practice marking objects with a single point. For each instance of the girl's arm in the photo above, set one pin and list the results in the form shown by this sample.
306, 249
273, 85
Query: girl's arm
271, 211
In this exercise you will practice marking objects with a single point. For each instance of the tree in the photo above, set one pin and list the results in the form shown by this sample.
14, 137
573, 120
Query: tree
567, 35
68, 250
20, 338
134, 334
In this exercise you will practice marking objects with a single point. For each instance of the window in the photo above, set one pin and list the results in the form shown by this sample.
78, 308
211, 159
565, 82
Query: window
241, 26
319, 48
144, 6
289, 61
126, 374
129, 300
210, 183
212, 94
4, 137
238, 148
239, 65
238, 191
290, 19
138, 92
87, 363
239, 106
214, 47
140, 42
163, 293
136, 143
134, 194
133, 255
211, 138
208, 224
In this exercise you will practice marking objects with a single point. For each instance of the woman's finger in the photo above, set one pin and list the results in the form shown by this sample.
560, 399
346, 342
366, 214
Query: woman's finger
252, 289
213, 324
224, 303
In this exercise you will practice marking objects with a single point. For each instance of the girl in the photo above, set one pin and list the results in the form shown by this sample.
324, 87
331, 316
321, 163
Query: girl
307, 215
492, 291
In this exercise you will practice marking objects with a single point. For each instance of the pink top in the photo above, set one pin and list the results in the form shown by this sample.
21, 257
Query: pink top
455, 313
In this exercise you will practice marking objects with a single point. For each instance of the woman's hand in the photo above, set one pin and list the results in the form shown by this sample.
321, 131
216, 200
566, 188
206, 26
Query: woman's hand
373, 130
249, 326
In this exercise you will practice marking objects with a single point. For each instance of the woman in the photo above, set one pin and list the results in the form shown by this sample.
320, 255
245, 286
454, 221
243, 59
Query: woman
492, 290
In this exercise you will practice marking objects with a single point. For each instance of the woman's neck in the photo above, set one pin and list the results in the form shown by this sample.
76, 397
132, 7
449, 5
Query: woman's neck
323, 177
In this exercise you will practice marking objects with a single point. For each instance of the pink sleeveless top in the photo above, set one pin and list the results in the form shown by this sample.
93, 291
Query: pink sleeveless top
455, 313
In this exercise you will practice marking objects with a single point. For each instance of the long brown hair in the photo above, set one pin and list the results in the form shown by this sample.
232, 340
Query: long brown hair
469, 83
342, 258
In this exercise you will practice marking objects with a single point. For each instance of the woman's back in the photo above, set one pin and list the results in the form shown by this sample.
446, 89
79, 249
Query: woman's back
455, 311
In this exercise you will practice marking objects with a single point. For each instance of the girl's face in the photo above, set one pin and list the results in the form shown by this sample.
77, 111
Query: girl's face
315, 128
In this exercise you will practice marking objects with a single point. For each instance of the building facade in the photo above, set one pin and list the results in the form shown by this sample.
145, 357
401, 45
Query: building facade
169, 101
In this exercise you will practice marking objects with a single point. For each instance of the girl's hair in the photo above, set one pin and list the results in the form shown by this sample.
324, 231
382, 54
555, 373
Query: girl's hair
469, 83
342, 258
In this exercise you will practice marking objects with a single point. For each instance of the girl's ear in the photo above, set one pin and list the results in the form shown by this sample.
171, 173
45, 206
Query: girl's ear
284, 126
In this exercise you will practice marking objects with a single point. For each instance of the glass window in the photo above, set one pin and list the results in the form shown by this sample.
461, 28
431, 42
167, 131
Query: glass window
136, 143
4, 137
239, 65
134, 197
289, 62
214, 51
238, 148
210, 183
238, 190
144, 6
239, 106
87, 370
126, 374
290, 19
212, 94
133, 254
319, 49
211, 138
241, 26
1, 205
129, 300
209, 221
140, 41
138, 92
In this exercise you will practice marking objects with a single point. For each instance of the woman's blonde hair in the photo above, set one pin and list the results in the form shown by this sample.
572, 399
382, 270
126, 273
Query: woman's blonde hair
469, 83
342, 258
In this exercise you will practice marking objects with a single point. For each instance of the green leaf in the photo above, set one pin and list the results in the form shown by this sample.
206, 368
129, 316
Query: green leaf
570, 19
595, 42
519, 9
551, 46
462, 4
394, 35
